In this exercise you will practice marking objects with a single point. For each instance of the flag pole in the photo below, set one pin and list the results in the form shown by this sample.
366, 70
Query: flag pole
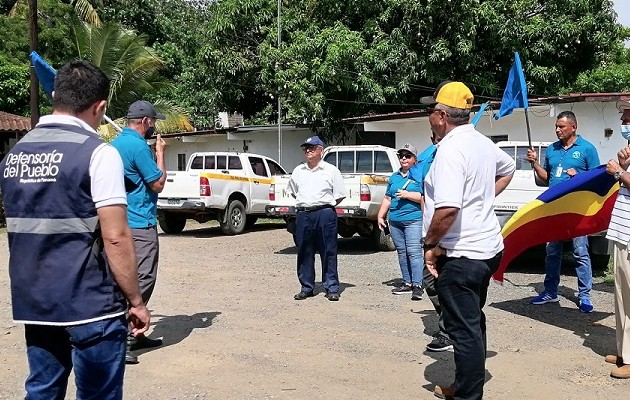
112, 123
529, 132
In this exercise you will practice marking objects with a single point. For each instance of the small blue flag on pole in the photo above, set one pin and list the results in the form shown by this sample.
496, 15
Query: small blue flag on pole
515, 94
45, 73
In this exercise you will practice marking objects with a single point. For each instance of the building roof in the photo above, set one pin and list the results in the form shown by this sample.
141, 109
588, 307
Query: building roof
569, 98
14, 123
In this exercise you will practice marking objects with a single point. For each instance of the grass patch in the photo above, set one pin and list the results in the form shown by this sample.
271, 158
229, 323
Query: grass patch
609, 276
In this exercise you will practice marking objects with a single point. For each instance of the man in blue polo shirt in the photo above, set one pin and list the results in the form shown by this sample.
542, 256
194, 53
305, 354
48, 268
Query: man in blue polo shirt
569, 156
144, 179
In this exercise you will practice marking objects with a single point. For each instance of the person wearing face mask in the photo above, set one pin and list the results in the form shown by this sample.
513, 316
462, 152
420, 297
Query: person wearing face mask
144, 179
619, 234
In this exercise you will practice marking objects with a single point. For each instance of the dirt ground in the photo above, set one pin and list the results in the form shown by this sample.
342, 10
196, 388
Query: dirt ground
231, 329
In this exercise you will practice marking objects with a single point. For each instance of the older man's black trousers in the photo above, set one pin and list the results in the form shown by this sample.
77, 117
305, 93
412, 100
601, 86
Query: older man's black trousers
462, 287
316, 231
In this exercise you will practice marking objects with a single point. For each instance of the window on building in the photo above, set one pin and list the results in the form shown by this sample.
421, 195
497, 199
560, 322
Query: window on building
499, 138
181, 162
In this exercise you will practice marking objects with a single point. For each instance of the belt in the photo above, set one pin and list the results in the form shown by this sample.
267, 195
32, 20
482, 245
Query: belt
314, 208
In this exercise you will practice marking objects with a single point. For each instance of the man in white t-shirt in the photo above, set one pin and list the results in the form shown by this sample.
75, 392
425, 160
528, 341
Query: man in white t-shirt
462, 236
619, 234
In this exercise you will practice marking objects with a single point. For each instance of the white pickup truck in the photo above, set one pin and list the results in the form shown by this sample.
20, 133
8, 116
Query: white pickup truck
525, 187
230, 187
365, 170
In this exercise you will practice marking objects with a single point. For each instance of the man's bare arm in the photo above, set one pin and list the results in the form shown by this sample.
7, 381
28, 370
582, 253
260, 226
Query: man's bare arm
500, 183
442, 220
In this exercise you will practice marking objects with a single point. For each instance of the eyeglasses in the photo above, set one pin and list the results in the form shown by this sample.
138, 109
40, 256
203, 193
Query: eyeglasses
309, 148
431, 110
405, 156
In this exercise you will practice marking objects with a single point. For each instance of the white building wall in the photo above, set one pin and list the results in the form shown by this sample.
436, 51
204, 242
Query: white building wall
593, 118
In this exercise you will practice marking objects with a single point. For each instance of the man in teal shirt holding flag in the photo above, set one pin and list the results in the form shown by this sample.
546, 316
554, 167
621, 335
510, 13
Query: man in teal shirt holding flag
570, 155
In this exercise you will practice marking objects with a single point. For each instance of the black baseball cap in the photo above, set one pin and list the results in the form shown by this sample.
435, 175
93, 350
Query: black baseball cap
141, 109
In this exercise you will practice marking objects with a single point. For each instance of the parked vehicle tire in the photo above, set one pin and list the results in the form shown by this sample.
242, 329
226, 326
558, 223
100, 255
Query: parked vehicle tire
172, 223
382, 241
235, 218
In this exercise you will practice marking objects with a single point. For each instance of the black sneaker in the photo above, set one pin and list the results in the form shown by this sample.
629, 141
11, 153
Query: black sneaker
404, 289
416, 293
440, 343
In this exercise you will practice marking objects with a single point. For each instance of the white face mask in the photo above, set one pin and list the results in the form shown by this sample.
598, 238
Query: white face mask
625, 131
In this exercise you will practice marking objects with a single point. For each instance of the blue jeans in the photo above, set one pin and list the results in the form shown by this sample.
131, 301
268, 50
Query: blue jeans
407, 236
96, 350
583, 269
317, 230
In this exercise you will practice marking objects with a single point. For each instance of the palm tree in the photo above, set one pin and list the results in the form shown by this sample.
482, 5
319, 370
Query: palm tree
83, 8
132, 66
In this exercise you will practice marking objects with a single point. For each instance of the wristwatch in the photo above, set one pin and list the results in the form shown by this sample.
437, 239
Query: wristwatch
618, 174
429, 246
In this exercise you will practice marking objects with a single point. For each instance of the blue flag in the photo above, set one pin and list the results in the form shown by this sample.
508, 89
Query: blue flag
479, 114
515, 94
45, 73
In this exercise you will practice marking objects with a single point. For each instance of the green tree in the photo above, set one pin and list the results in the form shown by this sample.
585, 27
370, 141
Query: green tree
14, 87
340, 59
611, 76
132, 67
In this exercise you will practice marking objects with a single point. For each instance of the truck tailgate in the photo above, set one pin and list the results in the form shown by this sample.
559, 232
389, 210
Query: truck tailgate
181, 185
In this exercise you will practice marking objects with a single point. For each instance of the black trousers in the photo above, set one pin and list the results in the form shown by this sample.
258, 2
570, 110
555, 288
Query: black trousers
462, 287
429, 283
317, 231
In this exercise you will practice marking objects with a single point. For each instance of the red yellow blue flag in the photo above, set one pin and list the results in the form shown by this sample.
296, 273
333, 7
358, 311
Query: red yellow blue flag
579, 206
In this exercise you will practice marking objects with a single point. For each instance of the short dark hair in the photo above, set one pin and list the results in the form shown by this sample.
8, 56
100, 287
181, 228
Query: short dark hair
78, 85
568, 115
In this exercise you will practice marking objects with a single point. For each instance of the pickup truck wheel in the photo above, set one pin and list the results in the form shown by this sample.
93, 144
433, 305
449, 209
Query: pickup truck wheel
235, 218
172, 223
382, 241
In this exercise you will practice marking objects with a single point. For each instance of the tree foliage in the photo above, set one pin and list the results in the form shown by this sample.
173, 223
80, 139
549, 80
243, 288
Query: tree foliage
346, 58
341, 59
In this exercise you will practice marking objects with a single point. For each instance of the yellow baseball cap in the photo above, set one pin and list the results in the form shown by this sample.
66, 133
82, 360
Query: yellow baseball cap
452, 94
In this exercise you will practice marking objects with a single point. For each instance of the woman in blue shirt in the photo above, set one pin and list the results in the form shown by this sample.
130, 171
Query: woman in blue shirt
402, 206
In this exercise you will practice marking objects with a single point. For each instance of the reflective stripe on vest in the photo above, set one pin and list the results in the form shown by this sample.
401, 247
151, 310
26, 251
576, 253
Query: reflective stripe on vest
52, 226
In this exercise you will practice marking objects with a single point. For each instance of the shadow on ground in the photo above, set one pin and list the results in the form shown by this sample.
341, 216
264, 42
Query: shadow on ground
597, 337
211, 229
175, 328
350, 246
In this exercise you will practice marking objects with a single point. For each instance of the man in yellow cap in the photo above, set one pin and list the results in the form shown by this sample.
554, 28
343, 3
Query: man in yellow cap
462, 237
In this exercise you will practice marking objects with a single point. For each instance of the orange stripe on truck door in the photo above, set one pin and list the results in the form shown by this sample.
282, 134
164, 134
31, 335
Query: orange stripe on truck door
227, 177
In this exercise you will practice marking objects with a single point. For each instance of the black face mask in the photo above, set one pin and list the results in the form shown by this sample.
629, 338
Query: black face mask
150, 131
